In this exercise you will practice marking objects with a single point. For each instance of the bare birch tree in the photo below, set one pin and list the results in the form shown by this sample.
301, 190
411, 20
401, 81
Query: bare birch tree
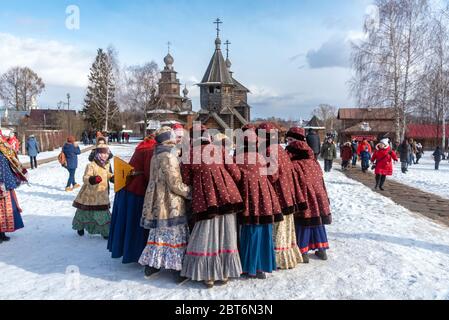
388, 64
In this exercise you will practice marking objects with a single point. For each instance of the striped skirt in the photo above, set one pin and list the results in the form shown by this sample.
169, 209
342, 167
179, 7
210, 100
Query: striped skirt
212, 253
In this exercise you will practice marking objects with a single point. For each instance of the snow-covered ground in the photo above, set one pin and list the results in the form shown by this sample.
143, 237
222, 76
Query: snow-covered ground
379, 250
424, 176
46, 154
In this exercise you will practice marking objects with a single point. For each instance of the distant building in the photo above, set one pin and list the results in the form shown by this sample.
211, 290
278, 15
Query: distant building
429, 135
366, 123
47, 119
172, 107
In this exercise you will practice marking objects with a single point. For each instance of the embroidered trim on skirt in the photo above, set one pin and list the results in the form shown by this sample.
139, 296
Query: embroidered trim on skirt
311, 238
10, 218
166, 247
212, 253
287, 251
94, 222
257, 249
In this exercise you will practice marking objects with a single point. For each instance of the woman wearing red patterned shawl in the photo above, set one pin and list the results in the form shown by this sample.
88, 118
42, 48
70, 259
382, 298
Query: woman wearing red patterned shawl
291, 198
310, 230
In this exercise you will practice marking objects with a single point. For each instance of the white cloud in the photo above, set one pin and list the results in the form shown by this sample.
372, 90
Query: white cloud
55, 62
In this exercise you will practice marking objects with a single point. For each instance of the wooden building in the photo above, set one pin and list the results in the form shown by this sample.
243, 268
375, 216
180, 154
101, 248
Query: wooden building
224, 100
372, 124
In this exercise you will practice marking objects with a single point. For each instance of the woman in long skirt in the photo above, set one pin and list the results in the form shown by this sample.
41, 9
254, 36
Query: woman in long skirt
310, 223
212, 254
262, 209
10, 218
127, 238
92, 202
164, 209
288, 189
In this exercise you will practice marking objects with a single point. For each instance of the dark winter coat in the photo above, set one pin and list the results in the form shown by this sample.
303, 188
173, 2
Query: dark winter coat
214, 191
384, 160
437, 155
287, 186
404, 151
346, 152
354, 146
328, 151
312, 184
313, 140
32, 147
71, 153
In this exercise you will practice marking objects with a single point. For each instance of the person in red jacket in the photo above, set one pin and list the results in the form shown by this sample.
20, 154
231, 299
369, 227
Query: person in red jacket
383, 158
362, 147
346, 155
127, 238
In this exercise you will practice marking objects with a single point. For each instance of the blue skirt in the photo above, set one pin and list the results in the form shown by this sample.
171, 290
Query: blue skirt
257, 249
311, 238
127, 238
18, 222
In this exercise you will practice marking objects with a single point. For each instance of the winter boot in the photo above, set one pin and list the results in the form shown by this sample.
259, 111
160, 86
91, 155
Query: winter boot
209, 284
305, 258
68, 189
3, 237
382, 181
149, 271
377, 182
81, 232
261, 275
76, 186
321, 254
225, 281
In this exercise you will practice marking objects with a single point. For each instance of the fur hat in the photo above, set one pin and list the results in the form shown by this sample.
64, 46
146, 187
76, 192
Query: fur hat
296, 133
164, 134
101, 145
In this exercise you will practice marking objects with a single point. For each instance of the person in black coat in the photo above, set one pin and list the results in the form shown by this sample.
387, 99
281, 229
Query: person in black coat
437, 156
313, 140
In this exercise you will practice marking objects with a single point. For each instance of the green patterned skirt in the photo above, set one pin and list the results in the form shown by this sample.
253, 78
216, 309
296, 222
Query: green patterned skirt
94, 222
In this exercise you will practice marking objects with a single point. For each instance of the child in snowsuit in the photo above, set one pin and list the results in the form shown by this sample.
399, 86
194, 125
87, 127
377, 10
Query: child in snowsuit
365, 157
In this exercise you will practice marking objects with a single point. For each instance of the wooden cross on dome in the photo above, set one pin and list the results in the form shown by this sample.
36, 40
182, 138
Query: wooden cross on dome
227, 43
168, 45
218, 22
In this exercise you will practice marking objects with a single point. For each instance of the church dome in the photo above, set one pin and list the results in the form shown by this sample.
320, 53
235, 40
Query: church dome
168, 60
228, 63
217, 43
185, 92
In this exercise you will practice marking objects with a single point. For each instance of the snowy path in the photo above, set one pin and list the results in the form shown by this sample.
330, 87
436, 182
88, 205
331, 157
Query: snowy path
379, 250
424, 176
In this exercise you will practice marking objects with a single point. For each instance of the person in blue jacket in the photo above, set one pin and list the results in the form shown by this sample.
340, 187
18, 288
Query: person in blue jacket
32, 148
71, 151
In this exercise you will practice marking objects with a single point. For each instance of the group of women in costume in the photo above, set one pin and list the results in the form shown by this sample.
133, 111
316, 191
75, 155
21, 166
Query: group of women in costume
215, 220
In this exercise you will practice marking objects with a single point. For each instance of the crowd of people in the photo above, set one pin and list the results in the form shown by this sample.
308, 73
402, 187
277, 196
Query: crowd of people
90, 137
212, 221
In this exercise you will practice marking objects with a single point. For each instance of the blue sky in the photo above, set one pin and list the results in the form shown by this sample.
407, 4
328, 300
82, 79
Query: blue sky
292, 54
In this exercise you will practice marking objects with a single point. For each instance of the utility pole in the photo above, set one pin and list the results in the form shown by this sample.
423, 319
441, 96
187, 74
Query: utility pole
68, 114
